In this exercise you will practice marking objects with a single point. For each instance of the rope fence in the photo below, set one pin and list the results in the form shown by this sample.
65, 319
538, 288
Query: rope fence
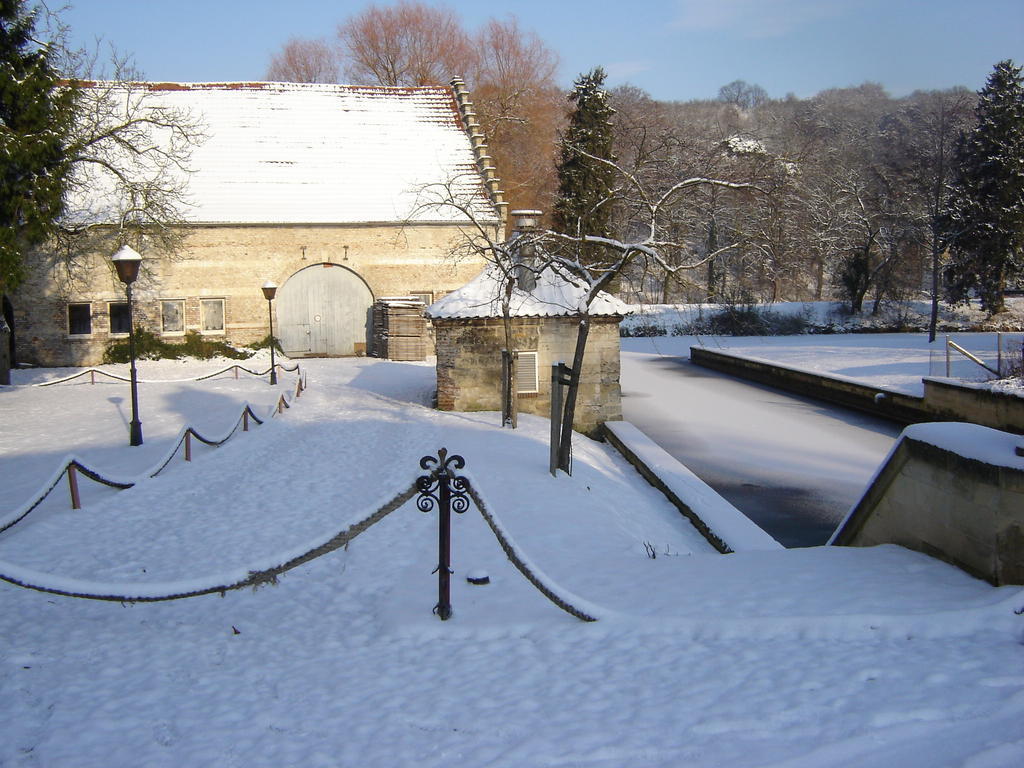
520, 563
72, 466
222, 584
92, 372
23, 577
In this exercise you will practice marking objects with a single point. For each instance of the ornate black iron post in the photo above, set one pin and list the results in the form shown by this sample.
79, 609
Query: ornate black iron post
269, 290
127, 262
449, 491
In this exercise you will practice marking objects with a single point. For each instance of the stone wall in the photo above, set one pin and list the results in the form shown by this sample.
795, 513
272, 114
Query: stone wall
954, 401
943, 400
965, 510
231, 262
469, 365
892, 405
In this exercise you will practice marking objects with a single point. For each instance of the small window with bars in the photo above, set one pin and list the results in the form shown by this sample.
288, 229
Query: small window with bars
526, 373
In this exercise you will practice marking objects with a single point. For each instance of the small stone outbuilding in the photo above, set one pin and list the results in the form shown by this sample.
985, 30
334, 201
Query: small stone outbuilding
469, 328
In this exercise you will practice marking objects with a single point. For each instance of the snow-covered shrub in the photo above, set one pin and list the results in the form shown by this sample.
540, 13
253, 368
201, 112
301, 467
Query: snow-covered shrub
642, 330
752, 320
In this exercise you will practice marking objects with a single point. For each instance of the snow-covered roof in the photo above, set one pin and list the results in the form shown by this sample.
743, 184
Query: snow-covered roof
313, 153
553, 296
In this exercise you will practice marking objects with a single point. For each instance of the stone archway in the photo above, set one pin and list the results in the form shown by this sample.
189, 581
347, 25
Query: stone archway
323, 311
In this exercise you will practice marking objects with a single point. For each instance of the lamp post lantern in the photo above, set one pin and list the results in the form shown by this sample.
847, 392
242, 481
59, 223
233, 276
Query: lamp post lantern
269, 289
127, 262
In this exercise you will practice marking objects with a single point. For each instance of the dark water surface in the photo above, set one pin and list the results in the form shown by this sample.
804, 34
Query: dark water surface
798, 510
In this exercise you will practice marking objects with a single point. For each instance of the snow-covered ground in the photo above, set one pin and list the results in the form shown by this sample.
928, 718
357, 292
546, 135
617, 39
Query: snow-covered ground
816, 657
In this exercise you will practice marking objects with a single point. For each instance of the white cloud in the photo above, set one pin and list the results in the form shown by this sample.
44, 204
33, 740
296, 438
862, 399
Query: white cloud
757, 18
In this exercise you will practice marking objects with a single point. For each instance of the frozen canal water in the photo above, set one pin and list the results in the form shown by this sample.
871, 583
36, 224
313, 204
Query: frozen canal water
793, 465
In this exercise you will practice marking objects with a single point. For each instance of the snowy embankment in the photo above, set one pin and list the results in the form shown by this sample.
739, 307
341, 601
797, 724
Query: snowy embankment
817, 657
821, 317
726, 523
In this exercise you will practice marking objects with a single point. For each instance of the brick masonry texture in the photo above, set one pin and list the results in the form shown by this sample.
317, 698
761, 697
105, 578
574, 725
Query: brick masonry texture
469, 365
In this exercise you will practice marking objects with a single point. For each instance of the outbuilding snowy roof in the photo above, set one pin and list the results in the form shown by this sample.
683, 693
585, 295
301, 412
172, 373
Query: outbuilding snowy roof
553, 296
313, 153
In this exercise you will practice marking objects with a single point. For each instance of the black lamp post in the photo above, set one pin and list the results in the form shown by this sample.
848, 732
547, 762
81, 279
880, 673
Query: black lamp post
269, 289
127, 262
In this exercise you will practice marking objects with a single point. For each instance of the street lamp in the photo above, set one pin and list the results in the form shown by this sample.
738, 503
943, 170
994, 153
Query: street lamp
127, 262
269, 289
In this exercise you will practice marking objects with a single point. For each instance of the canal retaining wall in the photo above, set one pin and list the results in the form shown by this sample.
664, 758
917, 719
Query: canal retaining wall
943, 400
952, 491
725, 527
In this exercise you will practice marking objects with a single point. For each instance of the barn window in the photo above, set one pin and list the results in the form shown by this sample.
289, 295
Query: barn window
526, 373
120, 320
427, 297
172, 316
213, 315
79, 319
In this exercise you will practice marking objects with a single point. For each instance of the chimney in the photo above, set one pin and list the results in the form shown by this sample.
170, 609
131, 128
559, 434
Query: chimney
526, 225
485, 167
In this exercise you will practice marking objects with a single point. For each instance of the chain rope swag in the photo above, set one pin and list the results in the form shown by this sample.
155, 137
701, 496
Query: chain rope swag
442, 487
236, 368
73, 466
253, 579
521, 565
448, 491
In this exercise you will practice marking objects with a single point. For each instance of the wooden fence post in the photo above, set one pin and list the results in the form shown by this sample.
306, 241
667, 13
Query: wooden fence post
188, 445
76, 501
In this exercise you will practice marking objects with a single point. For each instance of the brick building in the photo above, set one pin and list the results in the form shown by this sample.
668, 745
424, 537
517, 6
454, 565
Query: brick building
318, 188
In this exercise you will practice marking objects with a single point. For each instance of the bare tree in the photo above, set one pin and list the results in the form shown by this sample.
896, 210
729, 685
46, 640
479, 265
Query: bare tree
304, 61
743, 94
558, 253
129, 153
521, 109
920, 137
408, 44
509, 70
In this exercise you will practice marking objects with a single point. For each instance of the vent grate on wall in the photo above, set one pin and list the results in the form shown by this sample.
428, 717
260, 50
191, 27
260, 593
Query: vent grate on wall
526, 373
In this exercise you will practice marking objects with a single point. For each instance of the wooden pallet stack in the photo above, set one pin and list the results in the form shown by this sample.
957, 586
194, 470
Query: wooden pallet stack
399, 328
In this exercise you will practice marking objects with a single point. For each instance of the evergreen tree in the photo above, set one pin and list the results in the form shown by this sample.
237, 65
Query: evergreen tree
36, 114
984, 219
583, 205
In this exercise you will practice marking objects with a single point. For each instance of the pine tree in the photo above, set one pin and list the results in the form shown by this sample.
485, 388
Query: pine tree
984, 218
36, 114
583, 205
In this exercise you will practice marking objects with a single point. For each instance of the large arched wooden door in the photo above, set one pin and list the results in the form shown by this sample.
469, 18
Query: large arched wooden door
322, 311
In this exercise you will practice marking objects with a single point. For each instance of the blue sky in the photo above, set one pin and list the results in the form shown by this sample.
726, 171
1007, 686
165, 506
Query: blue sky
675, 49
